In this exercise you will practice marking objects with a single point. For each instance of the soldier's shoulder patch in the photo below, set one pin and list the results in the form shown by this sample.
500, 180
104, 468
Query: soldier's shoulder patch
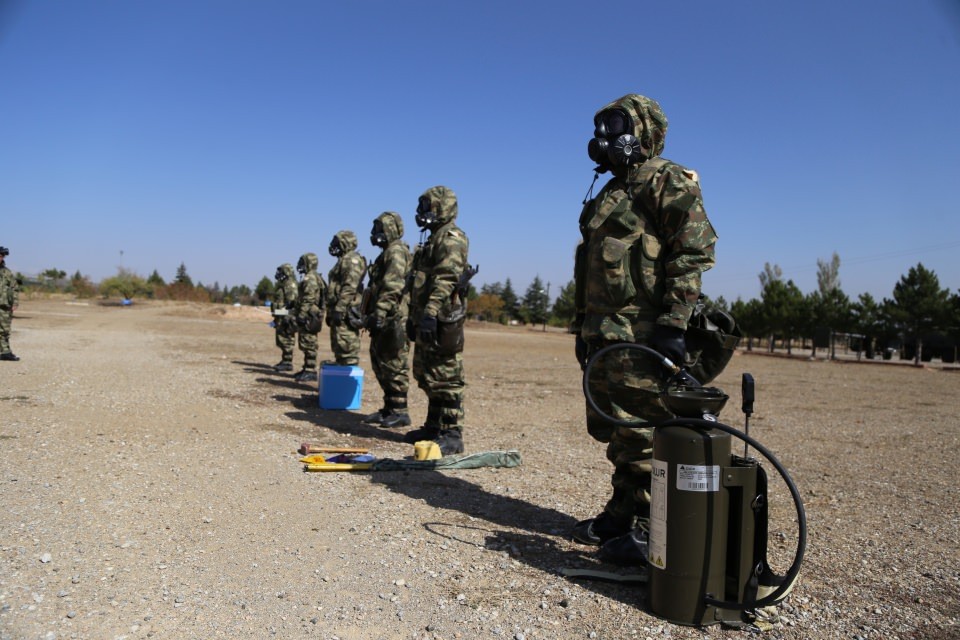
690, 174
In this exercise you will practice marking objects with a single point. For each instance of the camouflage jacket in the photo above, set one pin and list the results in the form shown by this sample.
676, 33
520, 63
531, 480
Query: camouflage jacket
311, 289
345, 279
646, 242
285, 291
389, 297
437, 268
9, 291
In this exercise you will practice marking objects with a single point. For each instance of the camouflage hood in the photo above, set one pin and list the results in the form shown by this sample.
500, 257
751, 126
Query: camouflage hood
347, 240
649, 122
443, 202
310, 261
287, 269
392, 225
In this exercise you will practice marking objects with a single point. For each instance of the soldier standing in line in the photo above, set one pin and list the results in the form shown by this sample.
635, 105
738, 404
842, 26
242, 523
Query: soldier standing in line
385, 307
646, 242
309, 314
284, 306
438, 266
345, 288
9, 301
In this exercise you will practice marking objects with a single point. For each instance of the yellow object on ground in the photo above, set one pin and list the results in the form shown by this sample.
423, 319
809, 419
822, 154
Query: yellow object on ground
338, 466
426, 450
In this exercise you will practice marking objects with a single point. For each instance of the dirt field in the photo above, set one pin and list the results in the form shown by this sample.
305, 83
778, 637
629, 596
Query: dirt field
150, 488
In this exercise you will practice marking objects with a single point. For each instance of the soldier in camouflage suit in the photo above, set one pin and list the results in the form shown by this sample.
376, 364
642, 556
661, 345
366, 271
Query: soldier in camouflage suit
345, 286
9, 300
309, 314
437, 267
386, 316
646, 242
285, 300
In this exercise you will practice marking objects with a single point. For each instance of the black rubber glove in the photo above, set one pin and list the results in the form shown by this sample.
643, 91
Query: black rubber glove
374, 323
669, 342
581, 349
334, 318
428, 329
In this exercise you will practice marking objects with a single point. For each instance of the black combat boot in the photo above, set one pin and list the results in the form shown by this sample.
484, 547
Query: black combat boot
396, 416
376, 418
595, 531
396, 419
283, 365
450, 441
430, 428
9, 356
628, 550
426, 432
306, 375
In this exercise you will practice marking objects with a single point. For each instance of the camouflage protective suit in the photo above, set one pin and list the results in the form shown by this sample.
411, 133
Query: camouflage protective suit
309, 302
344, 290
388, 300
285, 299
646, 240
437, 267
9, 300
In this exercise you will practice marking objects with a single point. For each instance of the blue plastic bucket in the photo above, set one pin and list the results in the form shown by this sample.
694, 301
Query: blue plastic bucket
340, 387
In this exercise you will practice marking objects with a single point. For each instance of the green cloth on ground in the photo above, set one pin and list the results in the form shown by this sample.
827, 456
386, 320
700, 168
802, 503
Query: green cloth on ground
478, 460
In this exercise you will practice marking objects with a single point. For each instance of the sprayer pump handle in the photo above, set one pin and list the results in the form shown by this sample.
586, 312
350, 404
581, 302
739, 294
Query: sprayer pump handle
746, 387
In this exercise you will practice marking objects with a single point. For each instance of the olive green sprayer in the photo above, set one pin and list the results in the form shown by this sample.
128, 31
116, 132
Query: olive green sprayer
707, 538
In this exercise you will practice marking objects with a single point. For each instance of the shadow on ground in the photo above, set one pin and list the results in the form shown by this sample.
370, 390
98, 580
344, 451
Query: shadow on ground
521, 531
525, 532
340, 421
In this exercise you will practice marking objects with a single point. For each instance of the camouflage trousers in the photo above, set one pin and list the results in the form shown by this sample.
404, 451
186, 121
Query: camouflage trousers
345, 344
308, 344
389, 355
286, 338
625, 385
441, 378
6, 319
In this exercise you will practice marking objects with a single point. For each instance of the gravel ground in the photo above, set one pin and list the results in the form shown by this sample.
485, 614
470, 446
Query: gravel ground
151, 488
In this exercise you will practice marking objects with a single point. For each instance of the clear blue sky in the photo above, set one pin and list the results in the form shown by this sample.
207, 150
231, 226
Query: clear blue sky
233, 135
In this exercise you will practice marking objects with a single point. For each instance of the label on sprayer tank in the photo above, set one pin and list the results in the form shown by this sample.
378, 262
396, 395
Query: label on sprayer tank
657, 536
698, 477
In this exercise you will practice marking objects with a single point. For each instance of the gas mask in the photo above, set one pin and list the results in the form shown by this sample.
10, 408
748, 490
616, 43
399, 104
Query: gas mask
280, 276
301, 266
614, 144
378, 236
425, 218
335, 249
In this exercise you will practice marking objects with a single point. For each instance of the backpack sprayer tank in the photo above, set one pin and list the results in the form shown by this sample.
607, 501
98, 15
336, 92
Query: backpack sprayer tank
707, 541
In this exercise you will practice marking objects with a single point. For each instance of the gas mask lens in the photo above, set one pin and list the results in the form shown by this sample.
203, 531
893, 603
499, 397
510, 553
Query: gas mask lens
613, 123
335, 247
378, 237
425, 217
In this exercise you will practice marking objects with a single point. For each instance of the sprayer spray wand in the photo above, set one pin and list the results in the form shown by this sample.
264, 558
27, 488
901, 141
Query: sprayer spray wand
746, 389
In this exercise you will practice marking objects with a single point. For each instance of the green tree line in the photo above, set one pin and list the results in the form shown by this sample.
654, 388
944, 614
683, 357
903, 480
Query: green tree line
129, 285
919, 321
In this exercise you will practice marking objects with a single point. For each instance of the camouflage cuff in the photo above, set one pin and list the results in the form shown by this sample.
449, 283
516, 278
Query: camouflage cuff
678, 317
